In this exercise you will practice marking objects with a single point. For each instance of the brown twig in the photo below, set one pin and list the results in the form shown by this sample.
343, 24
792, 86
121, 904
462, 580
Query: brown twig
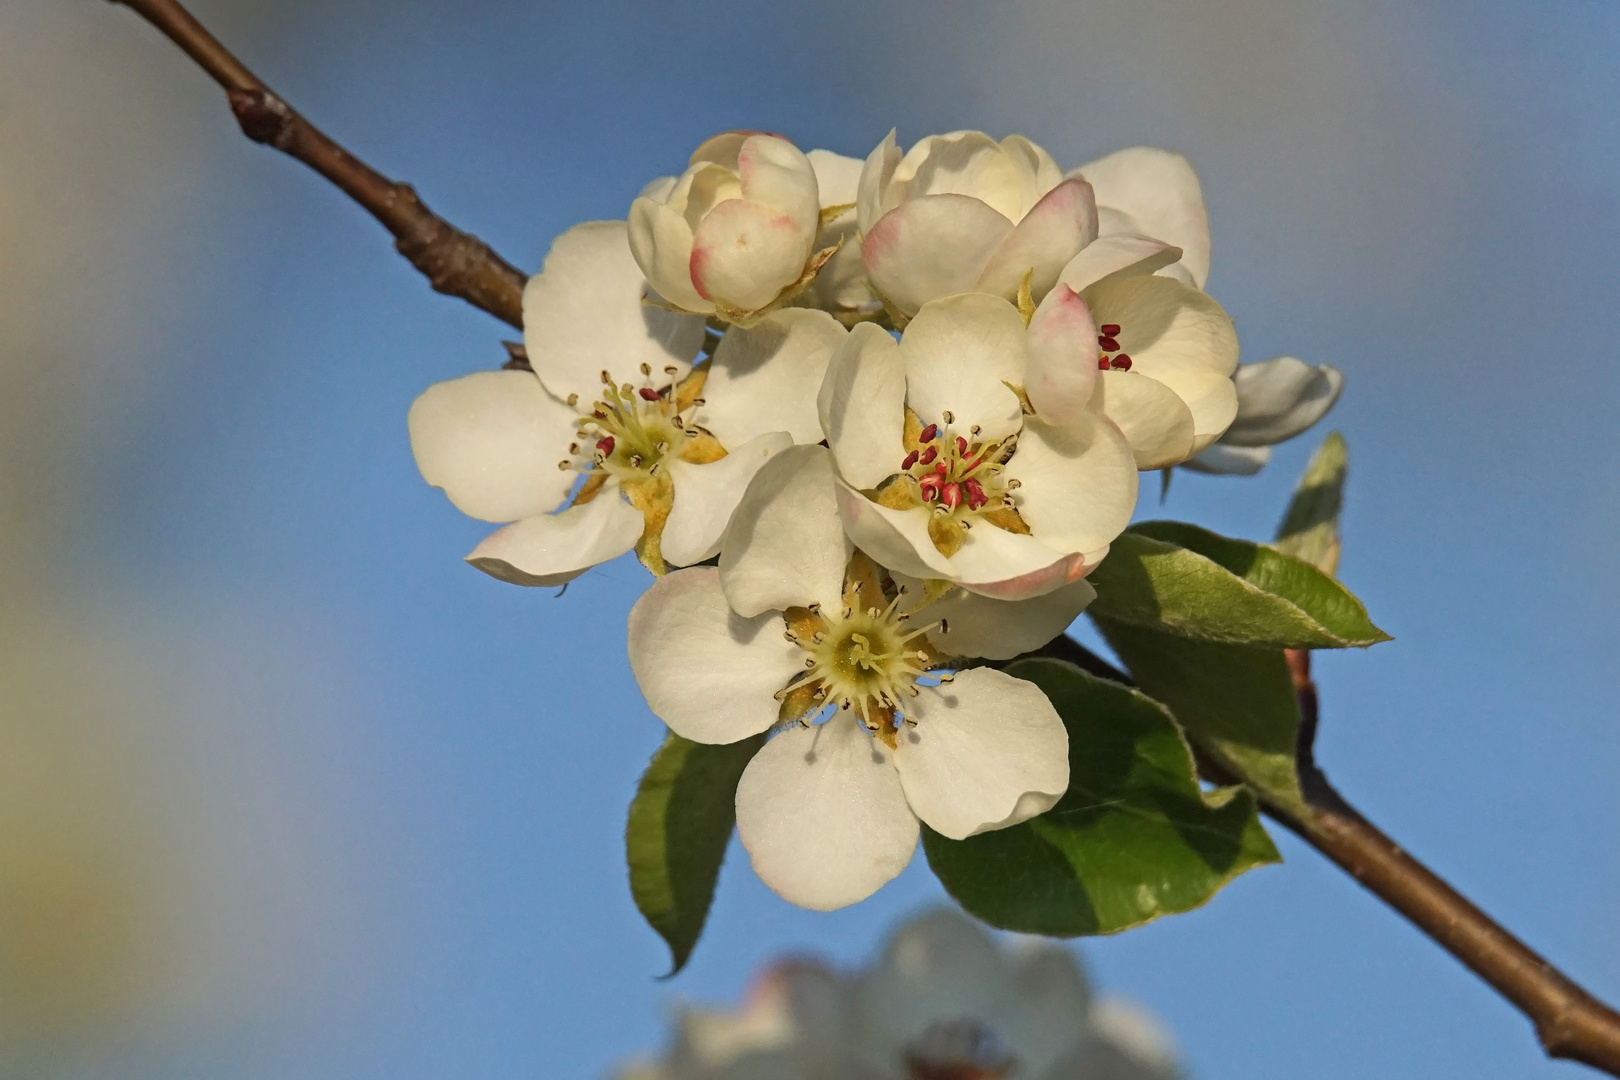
455, 263
1570, 1022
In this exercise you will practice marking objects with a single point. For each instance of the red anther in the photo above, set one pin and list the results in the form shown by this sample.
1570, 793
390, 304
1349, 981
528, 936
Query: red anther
951, 495
976, 495
928, 433
929, 455
1120, 363
929, 486
1108, 342
605, 445
1102, 363
1109, 328
911, 459
961, 445
939, 467
648, 393
599, 414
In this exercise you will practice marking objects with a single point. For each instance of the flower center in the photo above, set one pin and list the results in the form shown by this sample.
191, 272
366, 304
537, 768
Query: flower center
863, 659
958, 1050
958, 476
629, 431
1108, 342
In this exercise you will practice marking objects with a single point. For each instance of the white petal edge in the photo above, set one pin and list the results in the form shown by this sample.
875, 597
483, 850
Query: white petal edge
661, 243
981, 626
1124, 254
960, 354
823, 817
1079, 482
988, 751
491, 441
1281, 398
862, 406
1156, 422
553, 549
1160, 192
707, 672
785, 546
1223, 460
706, 495
766, 377
1043, 243
930, 247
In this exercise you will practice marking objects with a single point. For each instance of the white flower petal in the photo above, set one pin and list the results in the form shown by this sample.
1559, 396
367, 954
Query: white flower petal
1062, 368
988, 751
1001, 629
766, 377
1280, 398
1156, 422
775, 172
1055, 229
1035, 160
661, 243
823, 817
492, 441
872, 200
707, 672
1045, 1014
960, 353
705, 496
1078, 480
862, 406
1223, 460
969, 163
785, 546
722, 149
1165, 325
931, 247
745, 253
583, 314
1125, 254
1211, 399
838, 178
897, 539
552, 549
1159, 192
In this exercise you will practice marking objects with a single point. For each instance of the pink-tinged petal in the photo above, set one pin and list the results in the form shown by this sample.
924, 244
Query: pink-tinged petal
766, 377
705, 496
723, 149
1062, 371
998, 552
1124, 254
785, 546
554, 549
745, 253
1155, 193
988, 751
706, 671
931, 247
1155, 421
1055, 229
862, 406
584, 314
775, 172
1223, 460
1078, 482
960, 354
661, 243
823, 817
492, 441
872, 199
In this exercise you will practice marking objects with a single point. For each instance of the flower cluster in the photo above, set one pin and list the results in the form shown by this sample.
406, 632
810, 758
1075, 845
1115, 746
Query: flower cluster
943, 1001
871, 425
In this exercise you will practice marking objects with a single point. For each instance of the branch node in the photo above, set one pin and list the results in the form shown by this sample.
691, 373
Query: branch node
264, 117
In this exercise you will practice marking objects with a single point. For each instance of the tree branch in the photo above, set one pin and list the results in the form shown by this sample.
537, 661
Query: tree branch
455, 263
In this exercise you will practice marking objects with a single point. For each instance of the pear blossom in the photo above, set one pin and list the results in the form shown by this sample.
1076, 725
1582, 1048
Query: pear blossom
1143, 191
963, 213
612, 441
1166, 351
944, 1000
968, 450
794, 624
734, 235
1277, 399
841, 286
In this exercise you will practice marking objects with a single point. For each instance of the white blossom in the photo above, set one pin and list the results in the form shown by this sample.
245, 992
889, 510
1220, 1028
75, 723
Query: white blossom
1143, 191
794, 624
968, 450
610, 426
735, 233
1277, 399
963, 213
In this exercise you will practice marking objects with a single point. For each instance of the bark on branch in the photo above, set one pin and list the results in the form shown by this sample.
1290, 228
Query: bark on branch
1570, 1023
454, 262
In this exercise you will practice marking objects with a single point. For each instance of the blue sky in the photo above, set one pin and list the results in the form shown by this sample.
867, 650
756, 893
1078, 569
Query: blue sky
421, 773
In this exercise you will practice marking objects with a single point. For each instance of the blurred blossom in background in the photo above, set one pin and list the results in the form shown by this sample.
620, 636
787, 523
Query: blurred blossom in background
288, 790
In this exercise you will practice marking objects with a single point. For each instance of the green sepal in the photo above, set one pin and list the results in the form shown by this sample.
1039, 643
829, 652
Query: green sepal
1135, 836
675, 840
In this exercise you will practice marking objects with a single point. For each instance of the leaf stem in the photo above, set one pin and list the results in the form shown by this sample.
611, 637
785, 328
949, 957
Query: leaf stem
454, 262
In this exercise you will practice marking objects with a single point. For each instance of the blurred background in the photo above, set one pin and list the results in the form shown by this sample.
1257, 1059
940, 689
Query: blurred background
288, 790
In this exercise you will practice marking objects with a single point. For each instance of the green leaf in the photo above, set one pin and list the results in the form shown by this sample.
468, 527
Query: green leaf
680, 823
1310, 529
1188, 581
1236, 702
1135, 837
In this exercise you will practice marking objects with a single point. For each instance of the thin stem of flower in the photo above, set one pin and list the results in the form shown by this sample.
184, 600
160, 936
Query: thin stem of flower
1569, 1021
454, 262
